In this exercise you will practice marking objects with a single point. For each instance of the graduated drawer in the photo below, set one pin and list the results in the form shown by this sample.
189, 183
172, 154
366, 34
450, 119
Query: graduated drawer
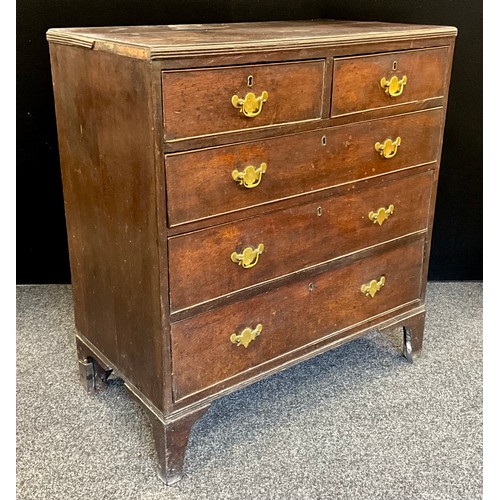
213, 262
199, 101
213, 181
417, 74
210, 348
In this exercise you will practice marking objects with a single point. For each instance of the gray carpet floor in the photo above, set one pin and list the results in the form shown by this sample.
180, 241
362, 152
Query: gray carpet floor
356, 423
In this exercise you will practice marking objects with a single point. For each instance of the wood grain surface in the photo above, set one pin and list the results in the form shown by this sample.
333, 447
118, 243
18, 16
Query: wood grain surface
199, 183
356, 80
148, 142
155, 42
198, 102
291, 316
109, 180
294, 238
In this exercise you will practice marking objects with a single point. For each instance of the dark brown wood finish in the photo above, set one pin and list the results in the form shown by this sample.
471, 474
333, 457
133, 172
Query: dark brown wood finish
260, 133
148, 141
106, 149
282, 203
430, 223
163, 42
333, 300
171, 439
356, 81
413, 332
205, 97
295, 238
302, 54
387, 321
200, 184
93, 375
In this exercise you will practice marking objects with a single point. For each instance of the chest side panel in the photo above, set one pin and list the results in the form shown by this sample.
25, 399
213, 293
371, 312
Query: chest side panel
104, 118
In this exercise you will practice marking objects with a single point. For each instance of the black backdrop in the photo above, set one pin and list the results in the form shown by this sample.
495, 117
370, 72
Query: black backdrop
42, 255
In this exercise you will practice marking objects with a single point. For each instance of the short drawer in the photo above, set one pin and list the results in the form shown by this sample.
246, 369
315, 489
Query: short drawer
213, 262
216, 346
210, 101
213, 181
391, 79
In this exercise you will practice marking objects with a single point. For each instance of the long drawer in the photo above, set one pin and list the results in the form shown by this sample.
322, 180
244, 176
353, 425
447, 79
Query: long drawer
216, 261
214, 100
215, 346
212, 181
389, 79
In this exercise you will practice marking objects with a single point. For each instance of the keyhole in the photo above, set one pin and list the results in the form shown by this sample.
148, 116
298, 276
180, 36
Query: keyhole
323, 140
312, 286
319, 211
394, 66
250, 80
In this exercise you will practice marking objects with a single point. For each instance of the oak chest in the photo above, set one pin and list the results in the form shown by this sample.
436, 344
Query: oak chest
242, 197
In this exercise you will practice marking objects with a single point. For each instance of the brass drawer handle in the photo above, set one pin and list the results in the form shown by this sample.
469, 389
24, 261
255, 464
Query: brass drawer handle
251, 176
251, 105
373, 287
381, 214
388, 148
393, 87
246, 336
249, 257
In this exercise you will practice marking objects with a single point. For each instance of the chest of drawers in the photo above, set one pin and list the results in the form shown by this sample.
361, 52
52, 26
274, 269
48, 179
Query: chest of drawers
242, 197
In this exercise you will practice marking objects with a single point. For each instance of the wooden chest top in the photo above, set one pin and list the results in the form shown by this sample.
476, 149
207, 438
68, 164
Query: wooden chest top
158, 42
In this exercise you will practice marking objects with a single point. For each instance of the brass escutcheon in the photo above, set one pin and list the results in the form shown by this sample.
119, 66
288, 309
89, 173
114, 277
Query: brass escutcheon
393, 87
381, 214
249, 257
373, 287
246, 336
251, 105
251, 176
388, 148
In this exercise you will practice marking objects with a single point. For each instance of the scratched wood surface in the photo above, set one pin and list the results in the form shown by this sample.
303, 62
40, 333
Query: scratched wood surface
198, 102
294, 238
153, 214
200, 184
356, 82
173, 40
333, 300
109, 181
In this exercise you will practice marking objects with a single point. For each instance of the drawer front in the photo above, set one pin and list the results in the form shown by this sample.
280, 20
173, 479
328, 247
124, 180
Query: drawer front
205, 351
213, 181
199, 102
358, 86
213, 262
